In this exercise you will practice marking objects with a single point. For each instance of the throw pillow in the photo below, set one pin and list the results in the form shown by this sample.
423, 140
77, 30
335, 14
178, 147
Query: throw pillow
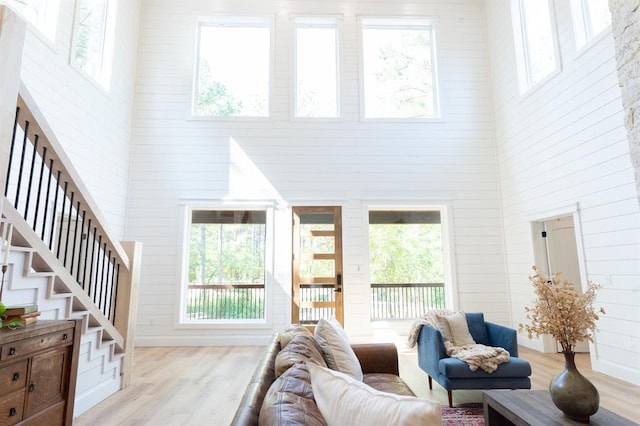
345, 401
289, 400
454, 329
336, 349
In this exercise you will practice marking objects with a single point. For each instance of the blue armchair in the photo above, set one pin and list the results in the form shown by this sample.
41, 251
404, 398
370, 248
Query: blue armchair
452, 373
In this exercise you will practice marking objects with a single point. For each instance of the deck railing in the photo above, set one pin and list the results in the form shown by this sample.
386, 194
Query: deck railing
225, 302
246, 301
405, 301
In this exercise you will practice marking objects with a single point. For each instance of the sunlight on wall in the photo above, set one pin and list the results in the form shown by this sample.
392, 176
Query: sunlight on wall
246, 181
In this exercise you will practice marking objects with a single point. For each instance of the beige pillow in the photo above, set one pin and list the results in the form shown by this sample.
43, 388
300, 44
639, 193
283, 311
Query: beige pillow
336, 349
345, 401
454, 329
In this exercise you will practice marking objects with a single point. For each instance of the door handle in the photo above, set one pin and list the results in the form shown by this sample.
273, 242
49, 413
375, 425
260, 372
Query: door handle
338, 287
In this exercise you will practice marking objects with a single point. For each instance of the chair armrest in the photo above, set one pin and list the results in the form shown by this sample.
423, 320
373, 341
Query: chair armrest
430, 349
377, 357
503, 337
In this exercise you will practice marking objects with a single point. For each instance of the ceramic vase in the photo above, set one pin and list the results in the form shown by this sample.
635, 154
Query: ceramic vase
573, 393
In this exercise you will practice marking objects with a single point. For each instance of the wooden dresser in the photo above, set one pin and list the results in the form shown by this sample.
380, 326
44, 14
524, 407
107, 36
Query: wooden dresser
38, 371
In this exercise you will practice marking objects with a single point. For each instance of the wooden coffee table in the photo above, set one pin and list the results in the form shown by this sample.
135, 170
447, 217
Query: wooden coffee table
534, 407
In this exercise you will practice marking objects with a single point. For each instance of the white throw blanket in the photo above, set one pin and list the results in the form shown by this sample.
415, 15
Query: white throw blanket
429, 319
486, 357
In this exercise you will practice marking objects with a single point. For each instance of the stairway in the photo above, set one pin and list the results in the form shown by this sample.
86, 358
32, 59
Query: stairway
28, 281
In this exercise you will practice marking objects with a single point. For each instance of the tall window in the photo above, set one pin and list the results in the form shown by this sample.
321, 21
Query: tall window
226, 266
233, 68
93, 37
406, 263
590, 18
399, 69
316, 71
535, 40
42, 14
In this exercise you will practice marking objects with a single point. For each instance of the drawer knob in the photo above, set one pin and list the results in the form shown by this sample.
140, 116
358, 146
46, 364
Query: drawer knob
13, 412
16, 376
12, 351
32, 387
64, 337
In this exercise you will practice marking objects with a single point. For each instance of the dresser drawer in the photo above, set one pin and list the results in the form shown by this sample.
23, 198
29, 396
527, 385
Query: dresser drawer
35, 344
11, 408
13, 377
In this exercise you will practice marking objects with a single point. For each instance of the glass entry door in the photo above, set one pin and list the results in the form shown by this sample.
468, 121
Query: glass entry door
317, 264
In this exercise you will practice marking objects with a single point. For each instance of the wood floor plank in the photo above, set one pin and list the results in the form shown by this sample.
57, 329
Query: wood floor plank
204, 385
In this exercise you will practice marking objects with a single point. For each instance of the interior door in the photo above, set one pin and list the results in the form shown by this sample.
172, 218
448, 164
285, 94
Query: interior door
317, 265
562, 252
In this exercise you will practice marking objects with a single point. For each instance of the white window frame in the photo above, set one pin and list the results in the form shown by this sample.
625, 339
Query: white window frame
187, 209
232, 21
430, 23
582, 25
43, 16
317, 22
103, 74
523, 58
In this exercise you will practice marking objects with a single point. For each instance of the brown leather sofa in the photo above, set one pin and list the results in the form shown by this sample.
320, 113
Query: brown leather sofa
292, 402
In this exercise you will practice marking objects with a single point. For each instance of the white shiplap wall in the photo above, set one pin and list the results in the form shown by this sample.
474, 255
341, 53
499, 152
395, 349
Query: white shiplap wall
564, 144
93, 124
355, 164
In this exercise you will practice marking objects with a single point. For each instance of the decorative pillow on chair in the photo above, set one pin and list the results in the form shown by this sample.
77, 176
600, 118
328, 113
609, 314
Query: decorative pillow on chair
343, 400
454, 329
336, 348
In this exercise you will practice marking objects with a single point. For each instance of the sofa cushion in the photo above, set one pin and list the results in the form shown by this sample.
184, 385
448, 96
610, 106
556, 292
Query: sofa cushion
336, 348
342, 400
454, 329
301, 349
477, 328
454, 368
387, 383
289, 400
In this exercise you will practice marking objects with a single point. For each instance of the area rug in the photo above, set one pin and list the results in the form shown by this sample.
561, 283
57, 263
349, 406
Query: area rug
471, 414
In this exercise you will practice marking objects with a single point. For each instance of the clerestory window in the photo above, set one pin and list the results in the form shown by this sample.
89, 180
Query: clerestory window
42, 14
233, 67
590, 19
93, 38
399, 69
535, 41
316, 68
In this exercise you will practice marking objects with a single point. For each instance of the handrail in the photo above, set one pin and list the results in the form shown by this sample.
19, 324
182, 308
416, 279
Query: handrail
44, 187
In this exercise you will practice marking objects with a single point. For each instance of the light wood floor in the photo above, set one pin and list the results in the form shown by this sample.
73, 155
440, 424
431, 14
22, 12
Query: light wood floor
203, 386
